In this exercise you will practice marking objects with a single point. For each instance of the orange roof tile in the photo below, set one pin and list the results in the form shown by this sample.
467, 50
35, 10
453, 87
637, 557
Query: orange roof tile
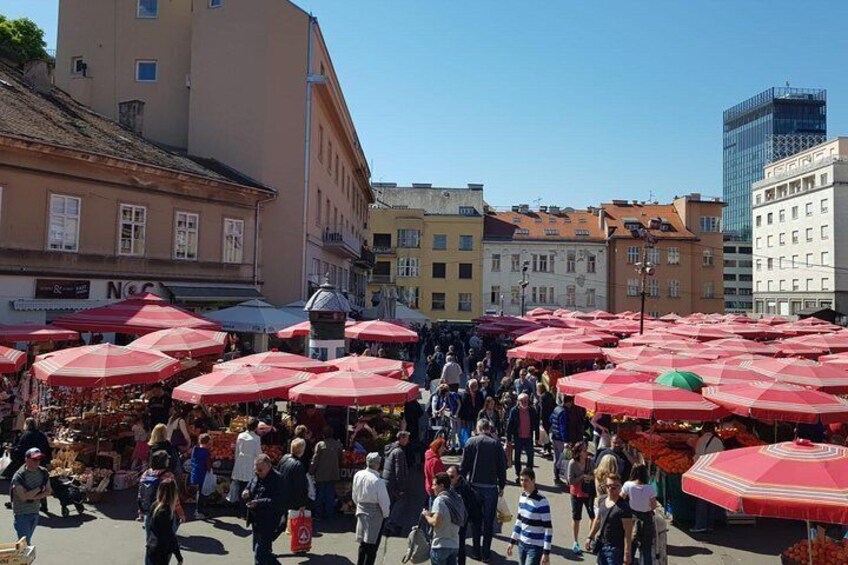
577, 225
617, 215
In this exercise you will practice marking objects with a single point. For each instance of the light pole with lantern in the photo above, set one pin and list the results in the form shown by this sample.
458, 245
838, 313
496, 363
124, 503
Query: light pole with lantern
645, 268
524, 282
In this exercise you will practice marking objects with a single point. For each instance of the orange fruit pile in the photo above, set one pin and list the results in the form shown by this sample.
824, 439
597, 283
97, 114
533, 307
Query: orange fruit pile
825, 552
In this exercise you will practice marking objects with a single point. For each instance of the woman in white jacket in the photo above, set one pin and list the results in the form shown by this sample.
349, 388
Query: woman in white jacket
248, 446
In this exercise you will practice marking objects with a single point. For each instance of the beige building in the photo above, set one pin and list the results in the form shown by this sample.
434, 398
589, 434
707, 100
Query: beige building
428, 243
249, 84
90, 212
688, 255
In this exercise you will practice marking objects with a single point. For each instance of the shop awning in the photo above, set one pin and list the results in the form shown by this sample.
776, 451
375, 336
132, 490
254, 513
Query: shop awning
33, 304
194, 292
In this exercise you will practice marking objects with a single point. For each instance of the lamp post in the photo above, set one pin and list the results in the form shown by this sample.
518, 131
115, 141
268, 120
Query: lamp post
523, 284
644, 267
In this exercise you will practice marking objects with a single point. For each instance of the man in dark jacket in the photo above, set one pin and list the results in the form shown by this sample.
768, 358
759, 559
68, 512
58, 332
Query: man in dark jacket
264, 501
617, 451
396, 473
558, 422
545, 403
522, 429
576, 421
484, 467
292, 470
472, 506
470, 405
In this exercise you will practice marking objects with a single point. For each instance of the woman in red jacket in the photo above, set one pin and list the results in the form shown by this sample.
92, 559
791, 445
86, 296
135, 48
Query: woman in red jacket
433, 465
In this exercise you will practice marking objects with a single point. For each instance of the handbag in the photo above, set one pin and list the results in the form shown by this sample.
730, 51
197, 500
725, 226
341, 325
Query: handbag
503, 511
5, 461
595, 546
210, 484
418, 544
300, 528
576, 490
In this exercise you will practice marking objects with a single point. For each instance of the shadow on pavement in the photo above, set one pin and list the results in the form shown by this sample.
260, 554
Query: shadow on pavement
689, 551
232, 527
55, 521
317, 559
203, 545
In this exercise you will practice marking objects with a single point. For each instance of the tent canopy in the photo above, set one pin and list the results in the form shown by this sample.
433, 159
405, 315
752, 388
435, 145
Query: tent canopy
254, 316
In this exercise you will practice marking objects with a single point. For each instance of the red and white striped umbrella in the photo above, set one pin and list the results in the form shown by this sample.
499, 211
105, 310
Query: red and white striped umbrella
183, 342
595, 380
540, 312
651, 338
104, 365
835, 359
740, 360
738, 346
688, 349
560, 350
723, 373
280, 360
836, 342
782, 402
298, 330
240, 384
657, 364
543, 334
751, 330
802, 372
350, 388
378, 366
11, 360
802, 330
701, 333
35, 333
799, 350
650, 401
620, 355
380, 331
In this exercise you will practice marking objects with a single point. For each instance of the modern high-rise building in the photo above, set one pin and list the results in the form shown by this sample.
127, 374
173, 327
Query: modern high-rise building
770, 126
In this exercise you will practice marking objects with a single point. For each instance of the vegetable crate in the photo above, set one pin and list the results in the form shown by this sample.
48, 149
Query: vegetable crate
18, 553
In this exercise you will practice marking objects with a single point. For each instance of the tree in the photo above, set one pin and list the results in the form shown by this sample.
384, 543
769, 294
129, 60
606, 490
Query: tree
21, 40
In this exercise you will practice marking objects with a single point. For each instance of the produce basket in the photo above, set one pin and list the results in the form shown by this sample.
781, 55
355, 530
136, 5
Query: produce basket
17, 553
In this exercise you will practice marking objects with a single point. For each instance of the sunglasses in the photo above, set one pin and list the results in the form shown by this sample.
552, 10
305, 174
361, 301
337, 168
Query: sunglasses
613, 486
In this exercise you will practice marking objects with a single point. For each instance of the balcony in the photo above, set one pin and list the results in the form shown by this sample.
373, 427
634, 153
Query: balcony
382, 250
381, 279
366, 259
342, 243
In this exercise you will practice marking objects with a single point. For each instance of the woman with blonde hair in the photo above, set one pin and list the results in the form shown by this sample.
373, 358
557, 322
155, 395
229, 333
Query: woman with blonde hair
608, 465
161, 538
159, 442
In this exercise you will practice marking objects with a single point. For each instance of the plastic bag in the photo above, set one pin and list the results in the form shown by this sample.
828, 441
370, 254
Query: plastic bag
543, 436
504, 513
210, 484
311, 491
300, 526
5, 461
464, 436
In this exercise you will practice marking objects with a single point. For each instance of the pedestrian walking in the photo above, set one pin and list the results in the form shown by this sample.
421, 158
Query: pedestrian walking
452, 373
545, 404
159, 442
492, 413
148, 487
581, 488
472, 507
533, 530
613, 526
201, 464
642, 498
616, 450
522, 430
264, 498
30, 485
446, 518
558, 423
484, 467
293, 469
470, 404
31, 438
326, 467
433, 465
372, 508
161, 542
396, 475
248, 448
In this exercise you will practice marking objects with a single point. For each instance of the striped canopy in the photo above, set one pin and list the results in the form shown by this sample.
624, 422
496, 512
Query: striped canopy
380, 331
661, 363
650, 401
782, 402
104, 365
376, 365
351, 388
11, 360
281, 360
796, 480
595, 380
826, 378
240, 384
183, 342
556, 349
35, 333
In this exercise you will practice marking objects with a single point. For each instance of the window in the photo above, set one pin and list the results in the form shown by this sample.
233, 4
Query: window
769, 263
467, 211
708, 258
318, 209
825, 258
809, 284
496, 262
781, 216
552, 231
320, 151
808, 208
516, 219
329, 156
570, 295
809, 260
570, 262
795, 285
654, 255
653, 287
632, 255
711, 224
439, 270
522, 231
794, 261
794, 236
408, 296
409, 239
674, 288
215, 3
185, 235
824, 206
440, 241
132, 227
632, 287
769, 218
78, 66
673, 255
591, 263
407, 267
794, 212
464, 302
466, 243
146, 71
515, 262
781, 238
495, 295
438, 301
590, 297
465, 270
540, 263
759, 264
825, 283
824, 232
709, 290
64, 223
759, 243
809, 234
769, 241
759, 220
581, 232
729, 277
148, 9
233, 240
514, 295
823, 179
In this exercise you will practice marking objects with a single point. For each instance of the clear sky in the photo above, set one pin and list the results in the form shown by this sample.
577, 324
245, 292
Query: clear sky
573, 102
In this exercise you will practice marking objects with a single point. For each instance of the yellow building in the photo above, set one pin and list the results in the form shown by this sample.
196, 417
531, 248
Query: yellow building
428, 243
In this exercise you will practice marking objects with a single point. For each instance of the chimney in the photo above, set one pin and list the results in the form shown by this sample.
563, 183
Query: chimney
37, 75
131, 115
475, 186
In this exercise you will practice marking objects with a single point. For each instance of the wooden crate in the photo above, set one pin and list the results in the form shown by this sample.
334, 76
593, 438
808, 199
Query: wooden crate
17, 553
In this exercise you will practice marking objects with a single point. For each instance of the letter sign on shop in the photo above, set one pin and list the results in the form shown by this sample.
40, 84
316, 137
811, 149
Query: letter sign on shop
62, 289
125, 289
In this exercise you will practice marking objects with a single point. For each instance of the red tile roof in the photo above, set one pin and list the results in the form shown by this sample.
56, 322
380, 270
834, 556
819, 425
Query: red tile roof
617, 215
579, 225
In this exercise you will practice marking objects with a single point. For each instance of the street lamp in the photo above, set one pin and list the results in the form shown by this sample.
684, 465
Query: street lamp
523, 284
644, 267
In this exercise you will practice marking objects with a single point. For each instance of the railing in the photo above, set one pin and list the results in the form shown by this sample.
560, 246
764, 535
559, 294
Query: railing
799, 171
366, 258
381, 279
339, 238
382, 250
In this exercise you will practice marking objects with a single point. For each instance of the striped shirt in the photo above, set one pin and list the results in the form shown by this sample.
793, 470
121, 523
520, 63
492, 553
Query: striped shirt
533, 522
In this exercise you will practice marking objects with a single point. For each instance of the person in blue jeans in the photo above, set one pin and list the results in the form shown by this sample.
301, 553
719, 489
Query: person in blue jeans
613, 526
325, 467
447, 516
533, 531
522, 429
30, 485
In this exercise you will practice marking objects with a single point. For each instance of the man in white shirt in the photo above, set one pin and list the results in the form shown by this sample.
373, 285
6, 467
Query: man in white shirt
372, 506
452, 373
706, 513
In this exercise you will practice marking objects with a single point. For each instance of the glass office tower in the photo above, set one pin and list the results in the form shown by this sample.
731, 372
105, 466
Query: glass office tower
774, 124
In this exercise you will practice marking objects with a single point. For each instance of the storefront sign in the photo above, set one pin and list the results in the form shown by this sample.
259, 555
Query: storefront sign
62, 289
125, 289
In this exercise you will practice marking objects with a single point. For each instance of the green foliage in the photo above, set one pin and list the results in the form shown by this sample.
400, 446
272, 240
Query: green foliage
21, 40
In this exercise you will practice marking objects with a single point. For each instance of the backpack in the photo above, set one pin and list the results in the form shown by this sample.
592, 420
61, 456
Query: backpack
148, 487
418, 544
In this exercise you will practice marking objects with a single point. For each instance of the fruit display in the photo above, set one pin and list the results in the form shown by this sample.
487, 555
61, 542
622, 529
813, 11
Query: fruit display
675, 462
223, 445
352, 459
238, 424
825, 552
667, 458
735, 432
275, 452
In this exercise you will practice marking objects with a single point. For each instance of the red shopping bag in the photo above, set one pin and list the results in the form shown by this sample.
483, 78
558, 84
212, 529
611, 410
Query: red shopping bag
300, 528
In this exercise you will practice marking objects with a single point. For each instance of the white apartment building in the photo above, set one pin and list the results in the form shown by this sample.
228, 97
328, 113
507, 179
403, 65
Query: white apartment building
800, 213
565, 251
738, 276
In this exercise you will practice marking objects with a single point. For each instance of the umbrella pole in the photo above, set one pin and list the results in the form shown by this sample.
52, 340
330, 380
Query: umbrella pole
809, 544
100, 423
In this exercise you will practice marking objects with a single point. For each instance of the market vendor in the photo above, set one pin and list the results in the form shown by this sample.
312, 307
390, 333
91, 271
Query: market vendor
313, 420
158, 406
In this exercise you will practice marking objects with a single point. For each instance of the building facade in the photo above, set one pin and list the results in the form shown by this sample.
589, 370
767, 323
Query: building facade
565, 253
800, 211
428, 247
688, 255
774, 124
251, 85
91, 213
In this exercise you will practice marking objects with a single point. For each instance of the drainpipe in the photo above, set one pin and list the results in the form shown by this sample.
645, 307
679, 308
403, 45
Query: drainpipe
256, 238
306, 144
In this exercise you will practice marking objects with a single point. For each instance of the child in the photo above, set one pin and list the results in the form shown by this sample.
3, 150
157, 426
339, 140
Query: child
201, 463
141, 453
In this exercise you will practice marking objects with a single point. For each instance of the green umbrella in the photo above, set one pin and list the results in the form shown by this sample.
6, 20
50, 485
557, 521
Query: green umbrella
681, 379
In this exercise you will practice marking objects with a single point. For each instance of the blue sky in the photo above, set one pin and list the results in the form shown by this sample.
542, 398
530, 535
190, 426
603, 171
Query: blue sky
571, 102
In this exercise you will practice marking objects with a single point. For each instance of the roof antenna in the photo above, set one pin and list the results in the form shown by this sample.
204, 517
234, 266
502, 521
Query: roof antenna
537, 201
787, 84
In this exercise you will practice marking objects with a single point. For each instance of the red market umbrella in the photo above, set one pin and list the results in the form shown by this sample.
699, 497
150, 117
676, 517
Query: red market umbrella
690, 349
781, 402
835, 359
380, 331
651, 338
138, 315
657, 364
789, 349
35, 333
739, 360
240, 384
595, 380
751, 330
774, 320
104, 365
672, 317
298, 330
183, 342
802, 372
540, 312
624, 354
738, 346
560, 350
280, 360
796, 480
11, 360
598, 315
701, 333
650, 401
350, 388
543, 333
716, 374
833, 342
376, 365
801, 330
